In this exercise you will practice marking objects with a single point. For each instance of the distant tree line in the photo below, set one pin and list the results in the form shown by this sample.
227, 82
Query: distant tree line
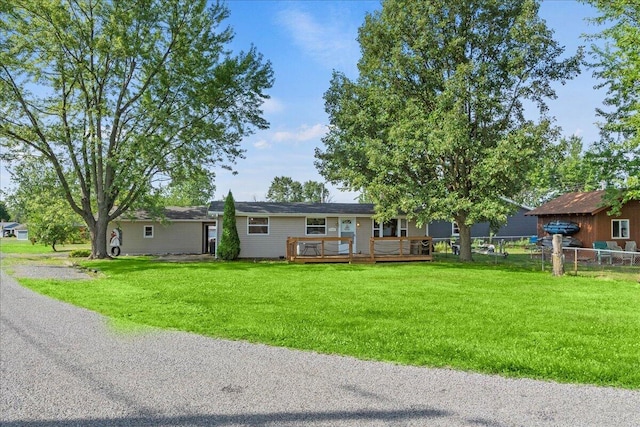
285, 189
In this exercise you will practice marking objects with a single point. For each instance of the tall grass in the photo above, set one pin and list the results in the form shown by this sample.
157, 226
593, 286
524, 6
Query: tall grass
492, 319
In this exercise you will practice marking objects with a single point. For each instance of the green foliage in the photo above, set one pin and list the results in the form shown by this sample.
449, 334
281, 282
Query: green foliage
127, 94
563, 168
51, 227
490, 319
617, 65
285, 189
4, 212
39, 199
435, 124
229, 247
315, 192
80, 253
188, 193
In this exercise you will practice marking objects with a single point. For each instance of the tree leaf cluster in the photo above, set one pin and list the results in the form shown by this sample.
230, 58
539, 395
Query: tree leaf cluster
616, 63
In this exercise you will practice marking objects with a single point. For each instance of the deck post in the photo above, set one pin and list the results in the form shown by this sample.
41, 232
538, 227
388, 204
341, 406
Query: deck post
372, 246
556, 256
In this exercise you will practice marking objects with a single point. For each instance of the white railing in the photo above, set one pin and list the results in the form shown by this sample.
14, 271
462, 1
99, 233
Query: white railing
588, 256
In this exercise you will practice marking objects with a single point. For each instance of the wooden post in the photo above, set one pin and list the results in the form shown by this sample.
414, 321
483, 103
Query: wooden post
556, 257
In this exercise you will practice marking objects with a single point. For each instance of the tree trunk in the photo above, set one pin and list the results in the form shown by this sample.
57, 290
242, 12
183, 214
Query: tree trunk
98, 232
465, 241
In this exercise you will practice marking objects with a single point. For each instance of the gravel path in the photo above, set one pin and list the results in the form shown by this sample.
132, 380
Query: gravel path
64, 366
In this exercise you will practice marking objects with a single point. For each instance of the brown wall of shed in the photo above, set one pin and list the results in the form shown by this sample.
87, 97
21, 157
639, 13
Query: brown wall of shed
598, 227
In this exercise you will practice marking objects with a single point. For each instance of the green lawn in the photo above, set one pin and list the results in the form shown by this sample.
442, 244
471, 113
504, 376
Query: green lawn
9, 245
487, 318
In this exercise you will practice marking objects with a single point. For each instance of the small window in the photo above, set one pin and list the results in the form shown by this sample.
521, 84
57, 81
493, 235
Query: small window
619, 228
404, 227
386, 229
148, 231
257, 225
455, 230
316, 226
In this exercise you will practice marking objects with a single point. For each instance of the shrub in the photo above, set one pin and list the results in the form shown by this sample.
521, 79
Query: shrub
80, 253
229, 248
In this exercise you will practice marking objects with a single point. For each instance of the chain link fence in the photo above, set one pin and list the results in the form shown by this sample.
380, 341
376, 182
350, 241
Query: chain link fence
523, 252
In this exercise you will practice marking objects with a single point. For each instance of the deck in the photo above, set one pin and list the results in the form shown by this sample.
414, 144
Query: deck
340, 250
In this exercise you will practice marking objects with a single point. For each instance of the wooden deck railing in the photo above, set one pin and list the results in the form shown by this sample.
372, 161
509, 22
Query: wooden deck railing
319, 249
340, 249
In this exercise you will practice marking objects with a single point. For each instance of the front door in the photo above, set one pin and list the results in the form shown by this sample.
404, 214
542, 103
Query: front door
347, 229
210, 237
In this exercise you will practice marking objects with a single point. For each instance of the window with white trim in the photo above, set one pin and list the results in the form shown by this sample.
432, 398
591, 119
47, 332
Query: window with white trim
403, 228
619, 228
148, 232
455, 230
386, 229
316, 226
258, 225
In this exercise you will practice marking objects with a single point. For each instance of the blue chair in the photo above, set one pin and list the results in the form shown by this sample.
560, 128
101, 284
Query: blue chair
602, 251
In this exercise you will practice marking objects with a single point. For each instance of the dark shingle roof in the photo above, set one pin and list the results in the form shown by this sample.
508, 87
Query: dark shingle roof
296, 208
173, 213
573, 203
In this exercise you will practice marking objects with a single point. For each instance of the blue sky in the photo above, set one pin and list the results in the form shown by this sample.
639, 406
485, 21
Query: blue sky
305, 41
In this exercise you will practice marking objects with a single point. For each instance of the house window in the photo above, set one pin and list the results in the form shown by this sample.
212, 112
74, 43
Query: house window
455, 230
258, 225
386, 229
148, 232
619, 228
316, 226
404, 227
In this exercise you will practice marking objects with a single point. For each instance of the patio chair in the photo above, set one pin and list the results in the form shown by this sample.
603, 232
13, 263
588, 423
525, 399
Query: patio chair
602, 251
616, 249
632, 250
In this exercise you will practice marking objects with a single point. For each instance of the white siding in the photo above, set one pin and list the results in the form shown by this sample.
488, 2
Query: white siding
187, 237
172, 238
272, 245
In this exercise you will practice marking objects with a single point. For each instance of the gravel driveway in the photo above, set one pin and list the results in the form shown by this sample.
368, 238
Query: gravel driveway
64, 366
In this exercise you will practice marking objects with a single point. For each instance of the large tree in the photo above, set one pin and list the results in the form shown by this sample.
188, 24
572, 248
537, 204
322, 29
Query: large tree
617, 65
38, 199
435, 123
286, 189
118, 98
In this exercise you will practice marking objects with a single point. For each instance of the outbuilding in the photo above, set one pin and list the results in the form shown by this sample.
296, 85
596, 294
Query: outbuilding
591, 213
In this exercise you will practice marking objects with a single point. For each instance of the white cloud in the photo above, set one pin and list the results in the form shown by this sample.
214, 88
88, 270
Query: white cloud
262, 145
578, 132
331, 43
302, 134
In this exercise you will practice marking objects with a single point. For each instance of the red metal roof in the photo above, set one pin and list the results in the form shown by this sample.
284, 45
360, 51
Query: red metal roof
590, 202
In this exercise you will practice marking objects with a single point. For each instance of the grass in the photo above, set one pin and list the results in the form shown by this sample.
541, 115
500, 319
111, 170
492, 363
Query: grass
12, 246
499, 319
